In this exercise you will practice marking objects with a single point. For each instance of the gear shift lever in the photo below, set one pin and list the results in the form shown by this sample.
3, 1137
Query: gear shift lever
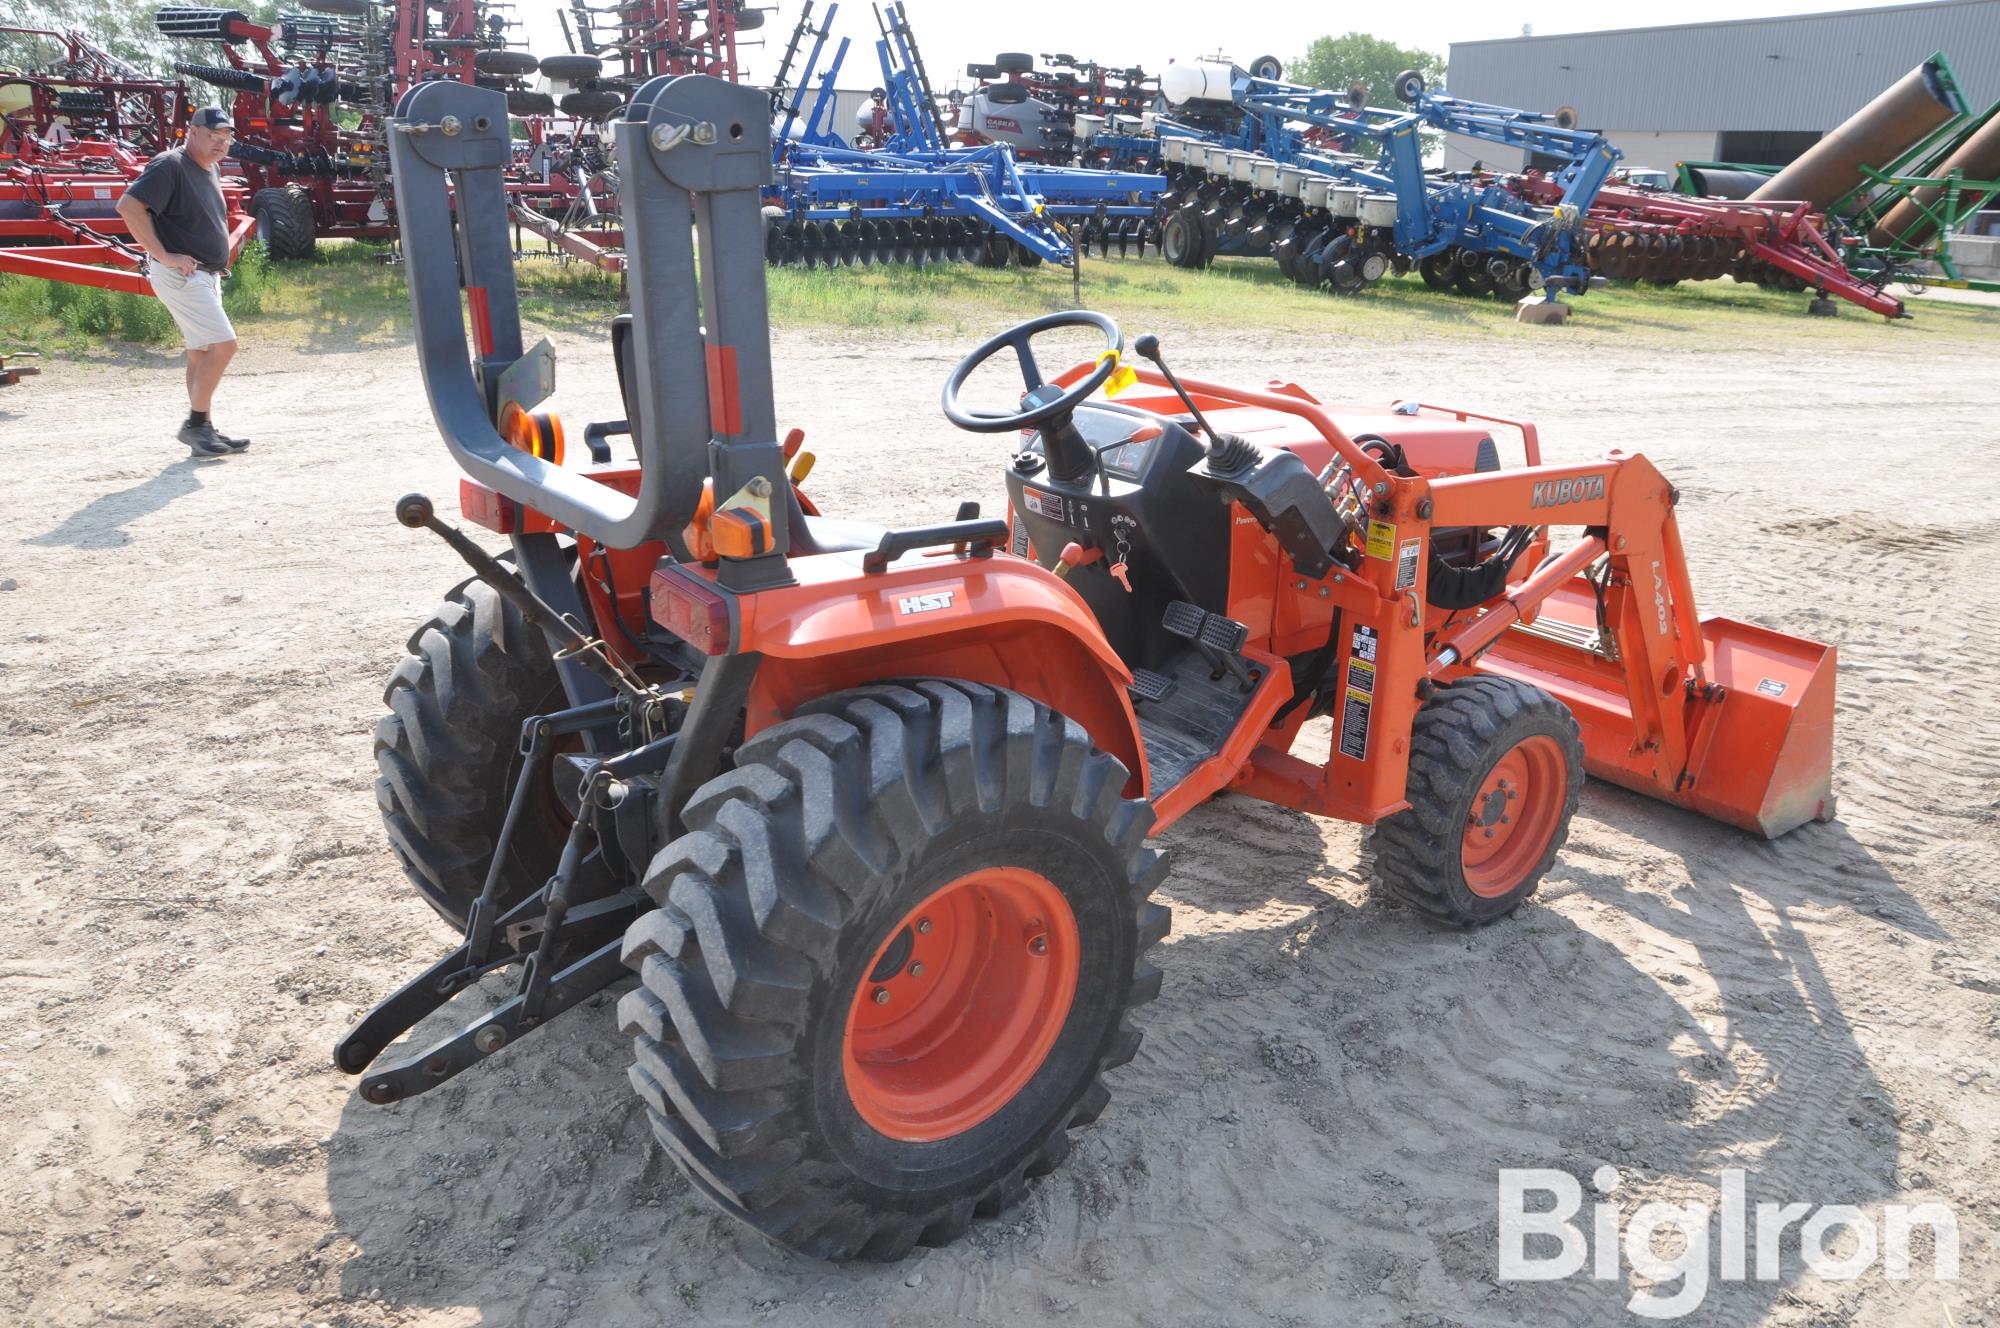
1227, 453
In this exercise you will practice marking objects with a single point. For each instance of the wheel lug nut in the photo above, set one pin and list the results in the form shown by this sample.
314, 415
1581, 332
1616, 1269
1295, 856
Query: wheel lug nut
1489, 834
881, 995
1038, 945
923, 926
916, 970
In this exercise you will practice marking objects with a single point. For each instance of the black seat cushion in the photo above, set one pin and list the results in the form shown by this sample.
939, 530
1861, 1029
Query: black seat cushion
827, 534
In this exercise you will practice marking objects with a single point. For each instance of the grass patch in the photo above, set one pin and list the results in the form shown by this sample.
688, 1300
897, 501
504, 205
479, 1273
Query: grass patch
350, 295
56, 316
1252, 295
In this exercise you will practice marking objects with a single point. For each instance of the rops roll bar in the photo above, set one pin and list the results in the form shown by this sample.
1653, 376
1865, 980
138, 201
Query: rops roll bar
691, 150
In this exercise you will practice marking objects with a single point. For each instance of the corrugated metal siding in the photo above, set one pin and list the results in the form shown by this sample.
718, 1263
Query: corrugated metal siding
1722, 75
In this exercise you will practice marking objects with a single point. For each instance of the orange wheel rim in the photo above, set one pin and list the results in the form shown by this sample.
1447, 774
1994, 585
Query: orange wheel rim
960, 1006
1514, 816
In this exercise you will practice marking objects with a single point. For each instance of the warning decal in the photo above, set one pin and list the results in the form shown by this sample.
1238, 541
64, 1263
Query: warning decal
1406, 564
1381, 540
1771, 687
1056, 507
1020, 544
1358, 704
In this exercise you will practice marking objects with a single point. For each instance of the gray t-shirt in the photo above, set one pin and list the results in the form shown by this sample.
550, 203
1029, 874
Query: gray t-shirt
185, 199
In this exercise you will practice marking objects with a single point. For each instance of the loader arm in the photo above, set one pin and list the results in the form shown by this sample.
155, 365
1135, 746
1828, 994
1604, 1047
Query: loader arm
1726, 718
1723, 717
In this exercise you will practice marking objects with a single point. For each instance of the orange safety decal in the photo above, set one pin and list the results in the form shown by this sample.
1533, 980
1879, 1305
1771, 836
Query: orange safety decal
725, 414
482, 319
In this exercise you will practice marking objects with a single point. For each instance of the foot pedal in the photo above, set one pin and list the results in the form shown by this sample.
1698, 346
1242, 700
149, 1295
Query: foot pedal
1184, 619
1208, 629
1150, 686
1220, 640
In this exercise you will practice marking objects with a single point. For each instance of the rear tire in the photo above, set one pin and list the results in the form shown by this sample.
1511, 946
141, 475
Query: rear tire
1495, 769
446, 751
285, 223
794, 926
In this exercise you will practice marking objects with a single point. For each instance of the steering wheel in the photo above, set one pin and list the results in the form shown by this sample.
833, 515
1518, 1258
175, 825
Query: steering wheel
1046, 402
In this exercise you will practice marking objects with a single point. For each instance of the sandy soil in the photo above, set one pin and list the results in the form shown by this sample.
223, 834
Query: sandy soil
191, 656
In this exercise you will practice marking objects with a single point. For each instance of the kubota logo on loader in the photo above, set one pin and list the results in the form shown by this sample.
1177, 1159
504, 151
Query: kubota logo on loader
936, 599
1554, 493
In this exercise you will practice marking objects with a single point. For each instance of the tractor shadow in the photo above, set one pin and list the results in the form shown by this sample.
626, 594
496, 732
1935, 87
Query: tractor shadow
1328, 1088
99, 524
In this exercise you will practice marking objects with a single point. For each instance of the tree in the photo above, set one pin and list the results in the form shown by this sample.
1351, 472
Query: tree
123, 27
1337, 63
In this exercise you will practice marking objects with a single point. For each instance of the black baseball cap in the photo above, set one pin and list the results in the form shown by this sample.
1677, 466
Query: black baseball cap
212, 117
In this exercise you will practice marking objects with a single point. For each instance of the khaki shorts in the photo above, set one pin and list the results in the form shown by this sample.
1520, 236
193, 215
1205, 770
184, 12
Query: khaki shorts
196, 304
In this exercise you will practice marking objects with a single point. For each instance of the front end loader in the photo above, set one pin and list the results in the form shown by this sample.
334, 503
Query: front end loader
865, 817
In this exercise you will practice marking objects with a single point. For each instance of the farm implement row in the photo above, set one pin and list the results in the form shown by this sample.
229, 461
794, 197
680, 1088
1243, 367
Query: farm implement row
917, 198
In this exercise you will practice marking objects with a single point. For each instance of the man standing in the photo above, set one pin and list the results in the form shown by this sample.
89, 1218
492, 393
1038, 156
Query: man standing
177, 214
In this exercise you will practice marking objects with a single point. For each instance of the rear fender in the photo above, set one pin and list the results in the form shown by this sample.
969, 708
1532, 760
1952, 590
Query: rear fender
998, 620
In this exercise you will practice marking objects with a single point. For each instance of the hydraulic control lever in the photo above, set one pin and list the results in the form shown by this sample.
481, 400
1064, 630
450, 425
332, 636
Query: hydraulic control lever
1227, 453
415, 511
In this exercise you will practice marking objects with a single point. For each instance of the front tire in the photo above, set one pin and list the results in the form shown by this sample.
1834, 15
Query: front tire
1495, 769
895, 953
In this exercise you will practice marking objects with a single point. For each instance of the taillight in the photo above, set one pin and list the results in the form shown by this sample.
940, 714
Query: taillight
483, 507
691, 609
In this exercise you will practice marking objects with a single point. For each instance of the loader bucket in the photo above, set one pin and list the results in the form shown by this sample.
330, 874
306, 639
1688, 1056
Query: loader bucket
1759, 757
1763, 758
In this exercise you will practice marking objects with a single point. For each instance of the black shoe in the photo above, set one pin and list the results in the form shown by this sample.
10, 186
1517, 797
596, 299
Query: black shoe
233, 444
204, 441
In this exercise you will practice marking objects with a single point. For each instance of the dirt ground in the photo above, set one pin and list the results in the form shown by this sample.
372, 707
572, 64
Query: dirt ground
200, 900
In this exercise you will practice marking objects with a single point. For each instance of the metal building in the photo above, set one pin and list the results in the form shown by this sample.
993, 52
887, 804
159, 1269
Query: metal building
1748, 90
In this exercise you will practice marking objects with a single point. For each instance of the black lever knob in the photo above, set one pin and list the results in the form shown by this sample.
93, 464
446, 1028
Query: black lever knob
414, 510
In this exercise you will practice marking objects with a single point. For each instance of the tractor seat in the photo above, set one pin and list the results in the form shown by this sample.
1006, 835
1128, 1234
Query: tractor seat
827, 534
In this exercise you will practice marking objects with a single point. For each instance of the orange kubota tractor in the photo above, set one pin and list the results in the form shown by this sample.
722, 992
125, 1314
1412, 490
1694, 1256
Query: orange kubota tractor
868, 812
